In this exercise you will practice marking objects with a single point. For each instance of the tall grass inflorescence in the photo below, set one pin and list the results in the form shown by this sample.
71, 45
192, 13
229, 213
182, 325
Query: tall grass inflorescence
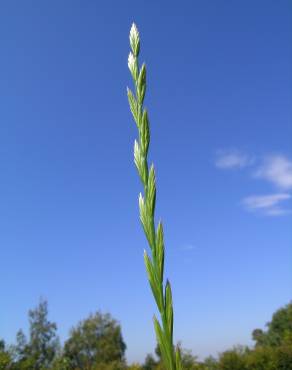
154, 264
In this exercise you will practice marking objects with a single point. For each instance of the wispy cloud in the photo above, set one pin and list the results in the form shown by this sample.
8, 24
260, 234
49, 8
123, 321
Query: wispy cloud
276, 211
232, 159
275, 169
188, 247
270, 205
278, 170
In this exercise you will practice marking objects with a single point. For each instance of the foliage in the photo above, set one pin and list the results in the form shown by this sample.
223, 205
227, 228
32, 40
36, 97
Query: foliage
5, 357
273, 349
189, 362
279, 329
232, 360
262, 358
155, 265
60, 363
283, 356
210, 363
149, 363
39, 352
21, 349
135, 366
43, 343
95, 342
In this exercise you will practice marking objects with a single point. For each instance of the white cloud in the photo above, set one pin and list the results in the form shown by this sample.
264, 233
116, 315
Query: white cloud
267, 204
276, 211
232, 159
188, 247
278, 170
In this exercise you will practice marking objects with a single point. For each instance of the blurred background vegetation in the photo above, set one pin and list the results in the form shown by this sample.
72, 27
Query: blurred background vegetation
96, 343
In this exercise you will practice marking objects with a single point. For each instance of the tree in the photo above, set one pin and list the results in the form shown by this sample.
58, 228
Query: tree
283, 356
261, 358
233, 359
134, 366
189, 361
20, 350
60, 363
279, 329
43, 342
149, 363
40, 350
211, 363
95, 341
5, 358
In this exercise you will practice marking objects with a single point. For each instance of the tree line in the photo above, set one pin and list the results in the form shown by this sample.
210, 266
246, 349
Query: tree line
96, 343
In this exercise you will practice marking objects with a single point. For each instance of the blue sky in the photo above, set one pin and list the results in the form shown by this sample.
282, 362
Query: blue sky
219, 98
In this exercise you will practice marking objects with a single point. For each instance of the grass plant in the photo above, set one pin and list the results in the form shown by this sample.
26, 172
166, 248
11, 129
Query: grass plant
155, 263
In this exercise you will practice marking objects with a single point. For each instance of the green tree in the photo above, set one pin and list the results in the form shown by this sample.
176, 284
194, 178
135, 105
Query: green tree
5, 358
211, 363
261, 358
20, 350
279, 329
43, 342
95, 342
283, 356
188, 360
149, 363
39, 352
135, 366
233, 359
60, 363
